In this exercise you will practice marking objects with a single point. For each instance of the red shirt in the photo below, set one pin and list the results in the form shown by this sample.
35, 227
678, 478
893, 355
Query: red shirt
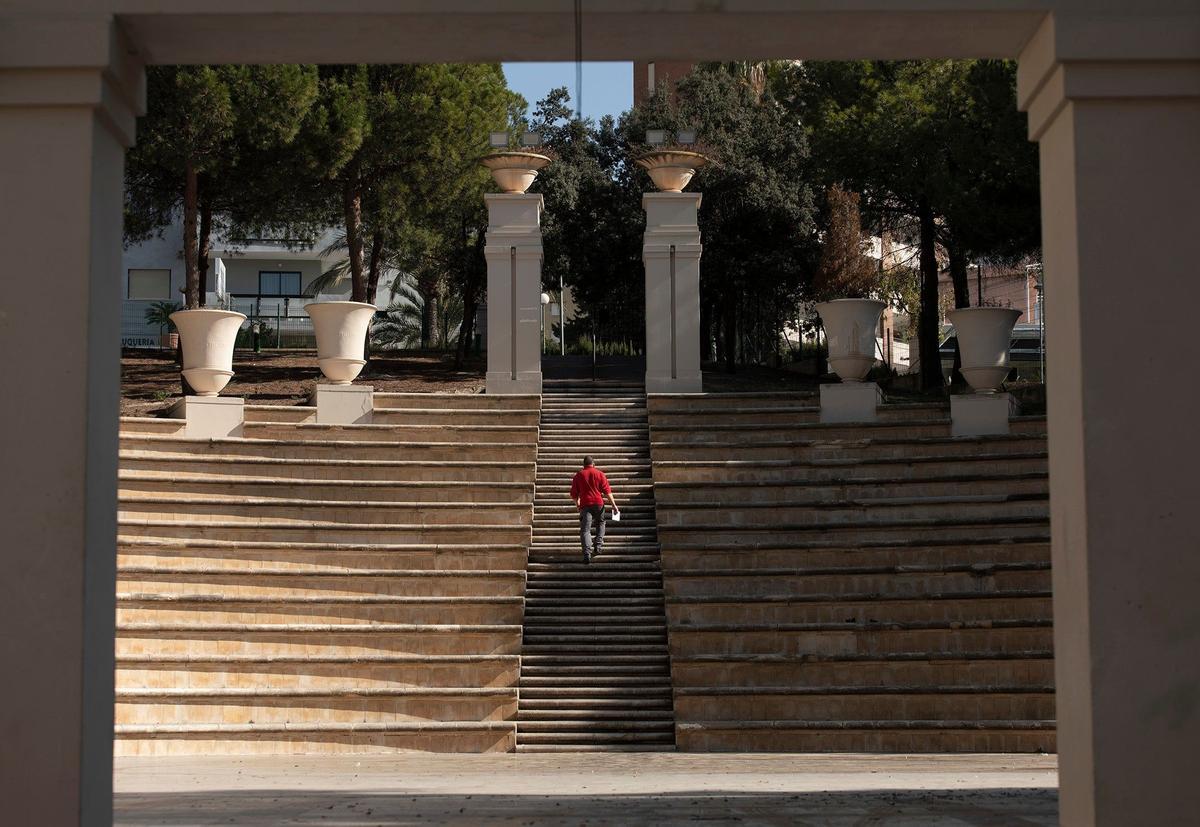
589, 486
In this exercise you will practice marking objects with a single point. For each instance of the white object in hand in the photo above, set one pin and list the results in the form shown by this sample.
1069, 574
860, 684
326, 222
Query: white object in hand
616, 516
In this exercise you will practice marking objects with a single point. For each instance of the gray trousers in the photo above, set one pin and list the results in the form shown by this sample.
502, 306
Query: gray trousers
587, 515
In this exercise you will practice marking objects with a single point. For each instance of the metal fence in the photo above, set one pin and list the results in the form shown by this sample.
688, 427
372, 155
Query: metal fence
270, 324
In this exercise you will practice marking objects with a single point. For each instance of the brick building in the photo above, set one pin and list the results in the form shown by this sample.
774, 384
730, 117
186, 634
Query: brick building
648, 75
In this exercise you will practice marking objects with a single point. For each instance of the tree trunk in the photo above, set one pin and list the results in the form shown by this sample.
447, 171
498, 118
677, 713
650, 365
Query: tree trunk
205, 248
958, 275
352, 210
472, 286
730, 317
191, 252
928, 326
374, 265
706, 349
962, 298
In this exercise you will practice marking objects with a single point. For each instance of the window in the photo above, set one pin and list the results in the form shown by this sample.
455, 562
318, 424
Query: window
149, 284
278, 284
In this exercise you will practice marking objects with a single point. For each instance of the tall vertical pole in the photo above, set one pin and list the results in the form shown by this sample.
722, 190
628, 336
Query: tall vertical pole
512, 253
674, 344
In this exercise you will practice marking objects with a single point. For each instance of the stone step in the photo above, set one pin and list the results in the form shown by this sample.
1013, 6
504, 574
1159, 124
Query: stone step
926, 704
165, 465
223, 488
594, 681
288, 738
193, 508
198, 707
842, 450
266, 585
594, 737
455, 416
801, 412
741, 586
866, 736
861, 609
895, 551
591, 649
861, 512
135, 608
166, 447
936, 529
322, 532
317, 557
549, 717
599, 631
641, 726
571, 699
698, 495
970, 670
163, 426
834, 469
568, 670
457, 401
559, 748
593, 638
685, 403
395, 432
832, 639
533, 658
209, 641
700, 431
336, 674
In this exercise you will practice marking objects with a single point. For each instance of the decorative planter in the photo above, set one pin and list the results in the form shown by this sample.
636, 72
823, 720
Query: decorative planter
514, 171
850, 326
341, 329
208, 337
671, 169
168, 341
984, 334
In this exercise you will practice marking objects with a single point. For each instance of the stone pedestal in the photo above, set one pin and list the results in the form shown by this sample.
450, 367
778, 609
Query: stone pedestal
210, 417
850, 402
671, 252
514, 289
981, 414
344, 404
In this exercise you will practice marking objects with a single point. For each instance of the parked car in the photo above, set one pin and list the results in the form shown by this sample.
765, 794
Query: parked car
1024, 354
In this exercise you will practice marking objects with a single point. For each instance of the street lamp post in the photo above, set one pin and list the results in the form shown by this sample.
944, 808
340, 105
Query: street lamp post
545, 301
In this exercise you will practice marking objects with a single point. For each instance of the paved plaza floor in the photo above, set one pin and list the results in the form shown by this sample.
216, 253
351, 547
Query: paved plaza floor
592, 789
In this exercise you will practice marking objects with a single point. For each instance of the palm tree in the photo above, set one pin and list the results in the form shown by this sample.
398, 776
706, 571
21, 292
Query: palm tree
159, 313
404, 323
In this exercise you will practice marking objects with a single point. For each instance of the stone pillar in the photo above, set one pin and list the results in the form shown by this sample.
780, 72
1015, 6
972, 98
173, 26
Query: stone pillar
1114, 103
69, 95
514, 290
671, 252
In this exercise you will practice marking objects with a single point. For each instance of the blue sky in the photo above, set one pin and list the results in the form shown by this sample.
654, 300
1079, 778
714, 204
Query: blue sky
607, 87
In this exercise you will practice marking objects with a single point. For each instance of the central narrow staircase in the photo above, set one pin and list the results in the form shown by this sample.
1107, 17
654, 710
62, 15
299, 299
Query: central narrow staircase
595, 671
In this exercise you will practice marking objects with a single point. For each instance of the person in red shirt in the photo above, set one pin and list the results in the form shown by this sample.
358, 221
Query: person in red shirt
588, 489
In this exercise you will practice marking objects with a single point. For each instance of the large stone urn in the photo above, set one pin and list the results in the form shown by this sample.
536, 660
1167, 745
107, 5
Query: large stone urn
341, 329
984, 334
514, 171
671, 169
208, 337
850, 326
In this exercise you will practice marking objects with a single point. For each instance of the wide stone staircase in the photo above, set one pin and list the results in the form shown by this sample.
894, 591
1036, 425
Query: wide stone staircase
310, 588
880, 587
594, 669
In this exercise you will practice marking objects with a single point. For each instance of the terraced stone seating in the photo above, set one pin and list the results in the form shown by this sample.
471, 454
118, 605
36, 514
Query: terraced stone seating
877, 587
311, 588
